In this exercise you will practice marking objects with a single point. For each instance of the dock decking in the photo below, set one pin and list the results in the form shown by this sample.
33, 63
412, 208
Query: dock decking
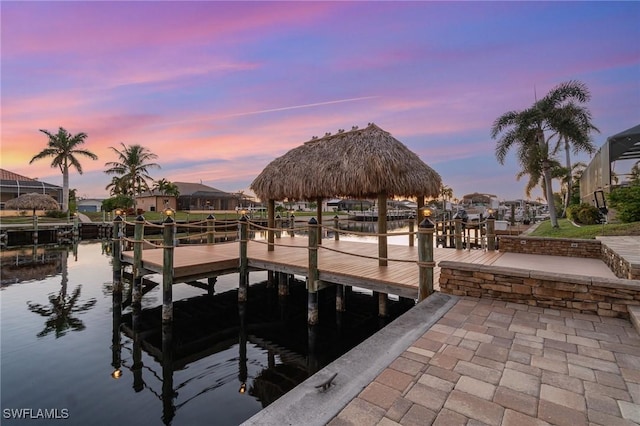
290, 256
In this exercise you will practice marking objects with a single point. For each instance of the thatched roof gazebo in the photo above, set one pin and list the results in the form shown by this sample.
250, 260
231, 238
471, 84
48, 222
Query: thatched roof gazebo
360, 163
32, 201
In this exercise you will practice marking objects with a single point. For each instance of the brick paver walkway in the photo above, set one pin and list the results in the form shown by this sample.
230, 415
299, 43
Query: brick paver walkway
497, 363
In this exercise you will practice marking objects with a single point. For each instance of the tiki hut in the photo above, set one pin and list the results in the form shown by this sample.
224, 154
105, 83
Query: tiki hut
360, 163
32, 201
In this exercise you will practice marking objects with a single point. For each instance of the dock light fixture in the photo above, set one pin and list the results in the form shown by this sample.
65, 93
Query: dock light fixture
116, 374
169, 212
243, 388
426, 222
490, 211
118, 212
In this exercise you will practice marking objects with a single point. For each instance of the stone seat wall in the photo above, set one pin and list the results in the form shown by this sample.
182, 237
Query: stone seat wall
591, 295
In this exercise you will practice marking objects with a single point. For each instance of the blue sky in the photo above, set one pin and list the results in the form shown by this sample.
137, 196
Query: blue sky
219, 89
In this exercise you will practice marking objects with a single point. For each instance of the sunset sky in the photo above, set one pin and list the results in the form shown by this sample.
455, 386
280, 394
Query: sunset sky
219, 89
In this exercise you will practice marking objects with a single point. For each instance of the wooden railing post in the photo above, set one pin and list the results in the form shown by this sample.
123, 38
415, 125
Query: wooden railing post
292, 224
211, 223
491, 233
336, 220
244, 261
138, 235
168, 234
425, 258
312, 285
278, 226
458, 233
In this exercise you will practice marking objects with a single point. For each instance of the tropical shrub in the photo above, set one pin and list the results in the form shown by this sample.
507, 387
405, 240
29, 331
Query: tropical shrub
626, 202
117, 202
56, 214
584, 213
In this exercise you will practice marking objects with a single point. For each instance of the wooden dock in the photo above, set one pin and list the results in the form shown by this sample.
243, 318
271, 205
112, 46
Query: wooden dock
339, 262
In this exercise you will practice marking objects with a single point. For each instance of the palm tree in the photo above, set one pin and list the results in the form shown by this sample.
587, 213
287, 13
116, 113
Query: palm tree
574, 132
527, 129
132, 167
166, 187
117, 186
446, 193
63, 147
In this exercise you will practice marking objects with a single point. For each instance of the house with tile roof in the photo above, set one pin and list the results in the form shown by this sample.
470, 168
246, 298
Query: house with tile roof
193, 196
12, 185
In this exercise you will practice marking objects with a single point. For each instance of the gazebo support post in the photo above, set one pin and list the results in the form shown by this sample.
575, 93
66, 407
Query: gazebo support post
425, 258
168, 233
244, 261
138, 235
319, 214
312, 285
382, 229
411, 235
271, 222
419, 209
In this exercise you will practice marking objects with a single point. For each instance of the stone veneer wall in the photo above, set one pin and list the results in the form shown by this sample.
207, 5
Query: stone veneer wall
550, 246
621, 267
593, 295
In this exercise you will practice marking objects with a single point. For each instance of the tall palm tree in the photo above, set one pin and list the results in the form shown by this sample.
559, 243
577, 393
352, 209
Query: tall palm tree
132, 167
63, 147
528, 130
574, 133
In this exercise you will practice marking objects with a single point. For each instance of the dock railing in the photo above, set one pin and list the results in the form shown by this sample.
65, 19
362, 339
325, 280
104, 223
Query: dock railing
427, 235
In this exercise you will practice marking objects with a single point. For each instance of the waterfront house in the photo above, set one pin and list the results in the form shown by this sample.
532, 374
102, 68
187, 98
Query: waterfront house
12, 185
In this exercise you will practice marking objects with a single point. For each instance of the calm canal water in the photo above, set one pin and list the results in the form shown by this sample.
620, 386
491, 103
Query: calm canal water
66, 353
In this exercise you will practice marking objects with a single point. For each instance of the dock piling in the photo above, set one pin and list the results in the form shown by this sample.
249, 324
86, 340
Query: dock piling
312, 286
491, 233
137, 260
244, 262
168, 235
458, 233
425, 258
211, 238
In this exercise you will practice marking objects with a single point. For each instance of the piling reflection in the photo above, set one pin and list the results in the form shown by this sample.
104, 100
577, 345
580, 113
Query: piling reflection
257, 350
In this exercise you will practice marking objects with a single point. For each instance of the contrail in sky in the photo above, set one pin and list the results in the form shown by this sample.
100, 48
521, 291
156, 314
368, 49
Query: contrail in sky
339, 101
264, 111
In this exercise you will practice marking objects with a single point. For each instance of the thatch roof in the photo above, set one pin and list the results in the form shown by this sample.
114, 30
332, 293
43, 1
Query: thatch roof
360, 163
32, 201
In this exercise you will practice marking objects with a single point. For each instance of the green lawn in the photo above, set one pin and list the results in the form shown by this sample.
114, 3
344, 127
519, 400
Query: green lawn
567, 230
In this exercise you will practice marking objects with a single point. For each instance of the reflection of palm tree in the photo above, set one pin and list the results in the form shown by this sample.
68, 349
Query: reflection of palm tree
62, 308
60, 313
